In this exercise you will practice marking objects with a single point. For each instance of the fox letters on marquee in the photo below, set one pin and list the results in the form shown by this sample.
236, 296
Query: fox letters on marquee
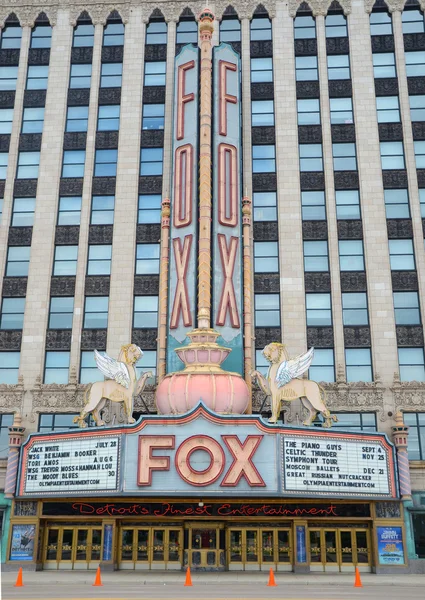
239, 454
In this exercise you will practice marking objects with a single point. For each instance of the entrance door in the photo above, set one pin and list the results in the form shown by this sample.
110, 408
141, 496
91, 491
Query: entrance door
147, 548
259, 549
204, 548
72, 547
339, 549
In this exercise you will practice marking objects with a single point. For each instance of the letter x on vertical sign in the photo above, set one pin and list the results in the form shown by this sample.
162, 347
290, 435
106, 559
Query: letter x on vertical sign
181, 297
228, 298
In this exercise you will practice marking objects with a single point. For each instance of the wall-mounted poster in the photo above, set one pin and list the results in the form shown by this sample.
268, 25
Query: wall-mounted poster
22, 547
390, 546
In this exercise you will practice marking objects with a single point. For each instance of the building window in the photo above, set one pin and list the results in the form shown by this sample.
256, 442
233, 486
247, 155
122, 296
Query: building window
351, 255
323, 366
316, 256
261, 28
12, 313
187, 32
8, 77
306, 68
102, 210
384, 65
28, 163
69, 210
230, 30
339, 67
4, 159
263, 159
267, 310
336, 25
262, 112
319, 313
416, 440
388, 109
111, 75
266, 257
6, 421
80, 76
9, 367
145, 312
347, 204
109, 118
33, 120
65, 262
156, 32
96, 312
304, 27
354, 308
351, 420
406, 308
6, 120
151, 161
392, 155
113, 34
358, 364
344, 157
411, 363
147, 259
89, 373
341, 111
417, 108
153, 116
73, 163
308, 112
402, 257
415, 64
261, 70
61, 313
397, 204
57, 421
149, 208
261, 363
56, 369
23, 212
413, 21
105, 163
148, 363
37, 77
100, 257
420, 154
41, 36
77, 118
265, 206
311, 157
18, 260
155, 73
380, 23
11, 37
313, 206
83, 36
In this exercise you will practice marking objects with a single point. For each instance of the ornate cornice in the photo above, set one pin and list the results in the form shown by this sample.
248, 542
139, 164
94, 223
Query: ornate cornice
27, 13
53, 397
408, 395
319, 7
12, 396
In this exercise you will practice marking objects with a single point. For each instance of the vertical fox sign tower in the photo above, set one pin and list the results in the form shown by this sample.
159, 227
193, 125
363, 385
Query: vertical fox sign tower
205, 266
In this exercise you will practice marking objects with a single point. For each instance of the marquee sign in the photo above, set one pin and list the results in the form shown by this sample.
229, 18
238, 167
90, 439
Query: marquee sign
209, 455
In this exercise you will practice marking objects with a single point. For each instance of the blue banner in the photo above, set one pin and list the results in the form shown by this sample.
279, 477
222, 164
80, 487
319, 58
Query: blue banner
301, 546
22, 546
390, 545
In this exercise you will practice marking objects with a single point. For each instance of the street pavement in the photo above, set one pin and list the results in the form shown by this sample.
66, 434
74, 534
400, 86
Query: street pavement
131, 585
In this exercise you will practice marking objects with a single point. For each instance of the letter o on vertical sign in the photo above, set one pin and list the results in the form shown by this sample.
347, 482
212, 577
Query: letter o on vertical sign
182, 209
214, 469
227, 185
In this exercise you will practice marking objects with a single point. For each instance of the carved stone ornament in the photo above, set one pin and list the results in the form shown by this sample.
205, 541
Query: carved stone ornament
58, 339
353, 281
404, 281
25, 188
399, 228
28, 14
350, 229
148, 233
150, 184
99, 13
9, 57
62, 286
261, 49
262, 91
20, 236
308, 89
81, 56
104, 186
317, 282
320, 337
382, 43
75, 140
12, 396
410, 336
266, 283
152, 138
343, 133
38, 56
97, 285
315, 230
147, 338
414, 41
107, 139
71, 186
346, 180
408, 395
14, 287
309, 134
93, 339
264, 182
67, 235
112, 54
266, 231
155, 52
420, 173
416, 85
109, 96
390, 132
154, 94
337, 45
418, 130
10, 339
101, 234
318, 7
356, 396
263, 335
146, 285
78, 97
34, 98
357, 337
30, 142
394, 179
314, 180
340, 88
386, 87
7, 99
54, 397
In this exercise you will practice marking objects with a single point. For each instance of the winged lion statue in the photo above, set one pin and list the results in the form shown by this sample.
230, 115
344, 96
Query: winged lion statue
121, 386
283, 383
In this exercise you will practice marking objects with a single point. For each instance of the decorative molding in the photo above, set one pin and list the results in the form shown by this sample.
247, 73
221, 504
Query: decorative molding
71, 186
343, 133
146, 285
62, 286
9, 57
112, 54
312, 180
7, 99
408, 395
34, 98
264, 182
416, 85
152, 138
30, 142
53, 397
10, 339
399, 228
390, 132
145, 338
263, 135
109, 96
404, 281
154, 94
394, 179
387, 510
38, 56
101, 234
386, 86
266, 283
107, 140
14, 287
97, 285
420, 173
148, 233
25, 188
155, 52
307, 47
265, 335
308, 89
104, 186
315, 230
317, 282
265, 230
12, 396
81, 56
2, 185
346, 180
262, 91
309, 134
353, 281
418, 130
320, 337
151, 184
340, 88
261, 49
414, 41
58, 339
78, 98
93, 339
357, 337
146, 401
67, 235
350, 229
337, 45
382, 43
75, 140
356, 396
410, 336
19, 236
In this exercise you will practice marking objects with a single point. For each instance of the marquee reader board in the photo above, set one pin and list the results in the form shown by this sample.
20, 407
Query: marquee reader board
337, 465
67, 464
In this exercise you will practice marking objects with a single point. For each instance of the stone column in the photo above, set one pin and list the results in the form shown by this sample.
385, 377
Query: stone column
16, 434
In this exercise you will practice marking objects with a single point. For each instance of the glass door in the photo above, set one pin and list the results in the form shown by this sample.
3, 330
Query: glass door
331, 550
363, 553
127, 549
204, 548
315, 548
66, 548
346, 539
51, 546
144, 548
284, 550
255, 549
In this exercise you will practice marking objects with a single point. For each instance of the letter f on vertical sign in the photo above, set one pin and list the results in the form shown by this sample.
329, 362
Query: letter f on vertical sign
182, 97
224, 96
228, 298
181, 297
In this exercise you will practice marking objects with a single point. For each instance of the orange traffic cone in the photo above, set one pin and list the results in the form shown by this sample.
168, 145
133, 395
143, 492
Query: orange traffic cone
19, 582
357, 580
97, 581
188, 581
272, 582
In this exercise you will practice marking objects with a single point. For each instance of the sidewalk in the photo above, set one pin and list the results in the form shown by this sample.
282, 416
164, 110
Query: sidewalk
162, 578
